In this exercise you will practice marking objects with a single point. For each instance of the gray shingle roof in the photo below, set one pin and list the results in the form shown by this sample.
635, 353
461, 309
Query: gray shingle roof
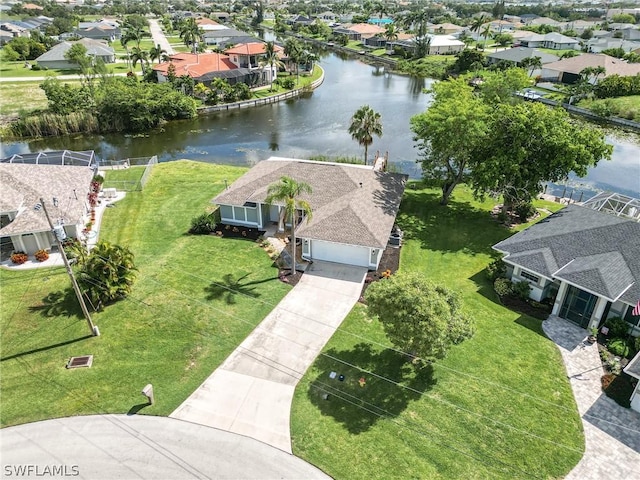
22, 186
518, 54
351, 204
594, 250
94, 48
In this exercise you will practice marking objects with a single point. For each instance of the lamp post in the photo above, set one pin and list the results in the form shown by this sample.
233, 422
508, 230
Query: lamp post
94, 330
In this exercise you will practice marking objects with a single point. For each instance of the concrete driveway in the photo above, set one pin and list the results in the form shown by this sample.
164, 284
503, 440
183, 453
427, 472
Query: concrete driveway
140, 447
252, 391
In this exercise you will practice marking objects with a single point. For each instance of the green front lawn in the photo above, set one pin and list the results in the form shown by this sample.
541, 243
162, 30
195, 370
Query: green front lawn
178, 325
499, 406
22, 97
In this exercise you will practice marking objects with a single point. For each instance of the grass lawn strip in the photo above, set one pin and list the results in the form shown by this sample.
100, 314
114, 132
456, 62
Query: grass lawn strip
499, 406
173, 331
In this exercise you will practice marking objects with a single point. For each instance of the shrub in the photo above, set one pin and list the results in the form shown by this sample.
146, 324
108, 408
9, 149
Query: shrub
618, 328
496, 269
637, 343
42, 255
287, 82
618, 347
521, 290
203, 224
503, 287
19, 258
524, 211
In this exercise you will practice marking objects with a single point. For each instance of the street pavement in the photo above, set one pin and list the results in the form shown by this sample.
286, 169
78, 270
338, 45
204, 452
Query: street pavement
143, 447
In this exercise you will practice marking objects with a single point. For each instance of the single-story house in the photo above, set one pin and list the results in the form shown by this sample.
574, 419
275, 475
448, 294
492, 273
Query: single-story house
101, 30
517, 54
359, 31
583, 259
207, 25
438, 45
445, 28
597, 45
568, 70
354, 207
540, 21
553, 40
633, 369
54, 58
64, 188
579, 26
226, 36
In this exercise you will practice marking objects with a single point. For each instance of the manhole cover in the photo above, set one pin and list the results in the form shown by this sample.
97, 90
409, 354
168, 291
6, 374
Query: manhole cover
82, 361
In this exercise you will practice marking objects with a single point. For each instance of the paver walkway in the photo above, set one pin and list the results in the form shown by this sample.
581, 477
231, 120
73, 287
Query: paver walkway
252, 391
612, 433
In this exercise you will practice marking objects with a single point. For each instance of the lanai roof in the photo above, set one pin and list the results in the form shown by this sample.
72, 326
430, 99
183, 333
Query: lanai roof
351, 204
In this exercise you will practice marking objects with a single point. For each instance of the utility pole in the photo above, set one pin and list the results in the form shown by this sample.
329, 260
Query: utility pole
94, 330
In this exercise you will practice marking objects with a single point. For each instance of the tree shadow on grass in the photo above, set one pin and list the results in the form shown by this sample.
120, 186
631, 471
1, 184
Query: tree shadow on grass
229, 287
360, 407
60, 303
458, 226
43, 349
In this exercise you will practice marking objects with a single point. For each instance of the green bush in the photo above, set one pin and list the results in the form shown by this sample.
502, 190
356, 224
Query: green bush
618, 328
287, 82
618, 347
521, 290
496, 269
524, 211
203, 224
503, 287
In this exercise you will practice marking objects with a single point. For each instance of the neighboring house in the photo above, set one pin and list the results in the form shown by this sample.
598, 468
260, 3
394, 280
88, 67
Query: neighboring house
553, 40
251, 56
445, 28
203, 68
359, 31
221, 16
207, 25
301, 20
102, 30
64, 188
631, 34
516, 55
583, 259
541, 21
14, 30
568, 70
5, 37
354, 207
54, 58
226, 36
633, 369
579, 26
439, 45
597, 45
328, 17
501, 26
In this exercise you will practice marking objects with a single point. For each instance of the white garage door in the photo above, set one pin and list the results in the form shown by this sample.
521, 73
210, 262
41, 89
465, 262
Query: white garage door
340, 253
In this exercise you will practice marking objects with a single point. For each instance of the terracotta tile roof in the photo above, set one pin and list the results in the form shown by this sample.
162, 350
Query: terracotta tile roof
196, 65
253, 48
23, 185
366, 28
351, 204
206, 21
612, 65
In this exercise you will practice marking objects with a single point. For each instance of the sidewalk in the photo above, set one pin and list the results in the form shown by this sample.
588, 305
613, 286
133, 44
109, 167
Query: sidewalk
612, 433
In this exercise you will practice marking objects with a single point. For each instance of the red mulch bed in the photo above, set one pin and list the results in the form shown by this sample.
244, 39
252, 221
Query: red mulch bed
390, 262
232, 231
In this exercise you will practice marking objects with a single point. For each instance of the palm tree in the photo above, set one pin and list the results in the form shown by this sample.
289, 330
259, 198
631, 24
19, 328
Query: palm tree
191, 33
288, 191
293, 50
531, 64
477, 24
139, 55
391, 32
486, 31
365, 123
124, 40
271, 59
156, 53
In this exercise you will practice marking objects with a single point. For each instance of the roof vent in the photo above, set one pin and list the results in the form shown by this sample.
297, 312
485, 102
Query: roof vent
360, 184
82, 361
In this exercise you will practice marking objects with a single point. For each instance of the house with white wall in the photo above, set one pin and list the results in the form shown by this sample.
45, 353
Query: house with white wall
354, 207
584, 259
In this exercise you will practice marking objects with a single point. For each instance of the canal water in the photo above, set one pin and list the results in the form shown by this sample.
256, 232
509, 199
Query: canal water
317, 124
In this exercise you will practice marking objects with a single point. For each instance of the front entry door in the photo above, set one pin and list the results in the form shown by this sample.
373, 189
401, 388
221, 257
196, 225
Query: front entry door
578, 306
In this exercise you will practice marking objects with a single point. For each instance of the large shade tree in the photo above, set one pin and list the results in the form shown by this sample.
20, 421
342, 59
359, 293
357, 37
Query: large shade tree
529, 144
365, 123
288, 193
419, 317
107, 274
449, 133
